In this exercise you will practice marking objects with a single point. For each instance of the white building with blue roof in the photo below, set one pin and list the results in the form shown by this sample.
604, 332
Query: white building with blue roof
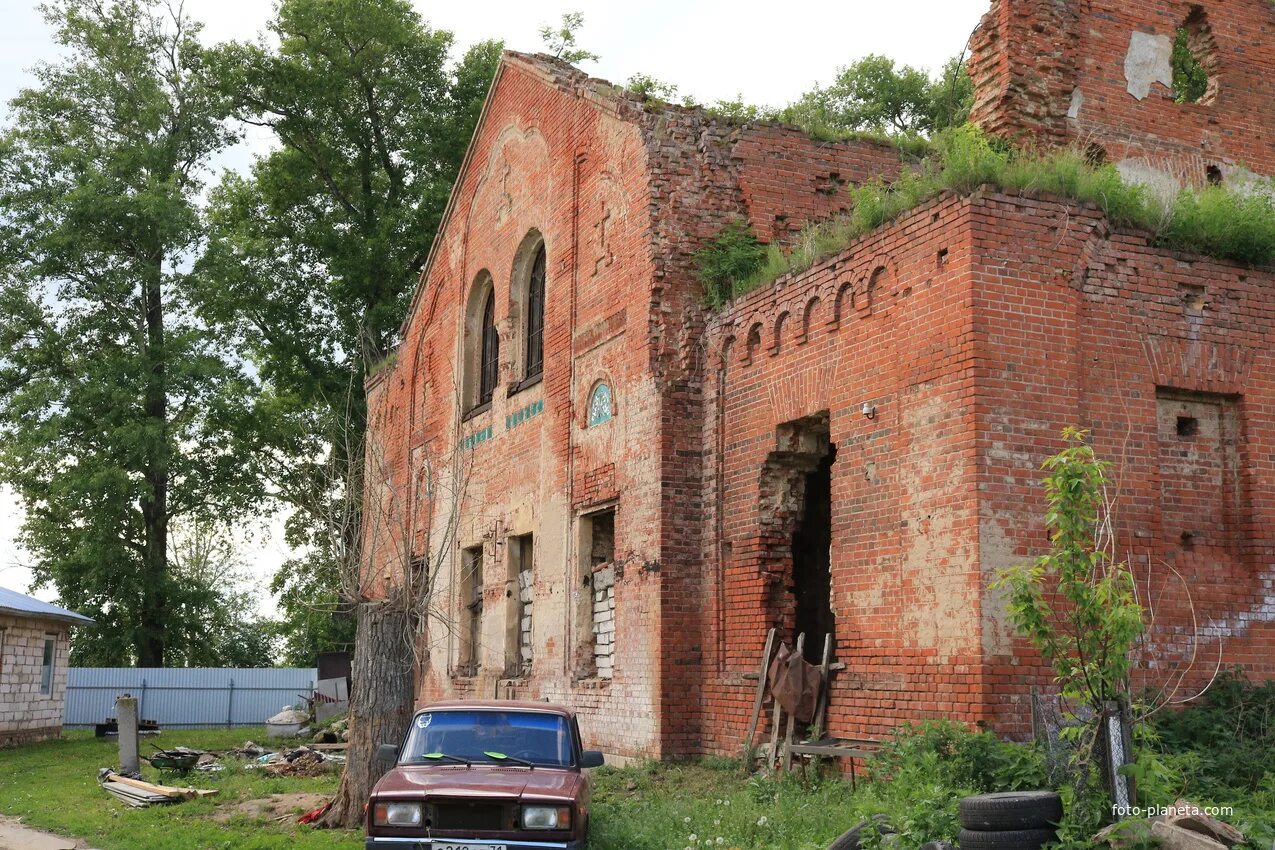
35, 643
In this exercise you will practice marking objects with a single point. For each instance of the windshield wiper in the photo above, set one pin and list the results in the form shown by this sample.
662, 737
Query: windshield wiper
515, 760
447, 757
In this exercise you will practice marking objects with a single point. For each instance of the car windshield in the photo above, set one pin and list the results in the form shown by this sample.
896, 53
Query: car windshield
487, 736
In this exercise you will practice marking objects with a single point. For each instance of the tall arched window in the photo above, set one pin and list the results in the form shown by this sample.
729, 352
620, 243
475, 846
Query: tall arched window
535, 352
489, 357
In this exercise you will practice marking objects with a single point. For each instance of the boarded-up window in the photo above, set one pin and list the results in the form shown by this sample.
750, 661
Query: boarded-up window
596, 610
518, 651
1199, 467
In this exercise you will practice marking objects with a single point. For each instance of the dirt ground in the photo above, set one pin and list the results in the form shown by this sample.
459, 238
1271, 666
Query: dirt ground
274, 807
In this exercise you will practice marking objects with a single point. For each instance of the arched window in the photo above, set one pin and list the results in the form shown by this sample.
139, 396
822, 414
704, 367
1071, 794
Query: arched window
600, 404
535, 352
489, 357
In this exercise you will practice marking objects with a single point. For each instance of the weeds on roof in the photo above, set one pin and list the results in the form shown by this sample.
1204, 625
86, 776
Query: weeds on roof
1215, 221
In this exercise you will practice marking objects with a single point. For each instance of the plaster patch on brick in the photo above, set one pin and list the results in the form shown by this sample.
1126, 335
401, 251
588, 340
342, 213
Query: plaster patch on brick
1077, 103
936, 558
1147, 63
996, 552
1164, 184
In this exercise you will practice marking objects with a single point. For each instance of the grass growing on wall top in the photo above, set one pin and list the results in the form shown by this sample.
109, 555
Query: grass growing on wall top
1215, 221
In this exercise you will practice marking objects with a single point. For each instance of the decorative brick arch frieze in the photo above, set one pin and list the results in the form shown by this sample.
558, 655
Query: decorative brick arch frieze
808, 312
778, 328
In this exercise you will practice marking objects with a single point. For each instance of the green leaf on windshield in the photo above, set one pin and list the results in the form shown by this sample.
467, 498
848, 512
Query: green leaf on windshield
497, 756
433, 756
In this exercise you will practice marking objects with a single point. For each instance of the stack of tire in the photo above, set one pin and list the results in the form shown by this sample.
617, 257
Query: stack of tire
1011, 820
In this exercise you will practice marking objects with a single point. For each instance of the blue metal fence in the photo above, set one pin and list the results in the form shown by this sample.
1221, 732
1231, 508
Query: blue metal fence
191, 697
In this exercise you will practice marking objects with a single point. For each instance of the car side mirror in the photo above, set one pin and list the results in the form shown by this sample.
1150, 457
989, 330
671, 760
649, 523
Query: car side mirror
387, 753
592, 758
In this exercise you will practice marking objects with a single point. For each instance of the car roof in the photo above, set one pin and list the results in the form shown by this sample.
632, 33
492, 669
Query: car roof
497, 705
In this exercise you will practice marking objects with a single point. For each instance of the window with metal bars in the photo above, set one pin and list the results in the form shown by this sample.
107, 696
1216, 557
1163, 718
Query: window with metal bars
535, 359
490, 351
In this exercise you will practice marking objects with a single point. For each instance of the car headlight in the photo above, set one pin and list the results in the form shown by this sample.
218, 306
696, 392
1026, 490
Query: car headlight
546, 817
398, 814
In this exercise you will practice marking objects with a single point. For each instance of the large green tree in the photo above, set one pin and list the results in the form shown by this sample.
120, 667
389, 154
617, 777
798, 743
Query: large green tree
876, 94
314, 255
312, 260
117, 415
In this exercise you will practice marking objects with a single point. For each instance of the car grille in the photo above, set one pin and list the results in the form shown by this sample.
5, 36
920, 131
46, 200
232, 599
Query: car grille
475, 816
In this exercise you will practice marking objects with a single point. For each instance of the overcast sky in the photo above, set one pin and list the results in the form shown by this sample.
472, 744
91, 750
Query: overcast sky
767, 52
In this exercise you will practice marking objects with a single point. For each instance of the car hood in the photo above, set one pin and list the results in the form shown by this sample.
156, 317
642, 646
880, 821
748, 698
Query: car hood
458, 781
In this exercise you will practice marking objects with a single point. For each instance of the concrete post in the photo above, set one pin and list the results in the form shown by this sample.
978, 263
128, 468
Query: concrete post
126, 717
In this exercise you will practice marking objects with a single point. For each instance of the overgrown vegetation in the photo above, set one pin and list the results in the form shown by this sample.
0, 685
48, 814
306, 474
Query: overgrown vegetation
1218, 751
916, 781
1214, 221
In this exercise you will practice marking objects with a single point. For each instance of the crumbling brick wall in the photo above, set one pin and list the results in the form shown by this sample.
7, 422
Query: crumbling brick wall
1096, 73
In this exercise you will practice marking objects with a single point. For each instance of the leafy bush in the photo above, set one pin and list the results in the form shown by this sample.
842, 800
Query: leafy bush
1216, 221
1222, 745
1231, 733
734, 255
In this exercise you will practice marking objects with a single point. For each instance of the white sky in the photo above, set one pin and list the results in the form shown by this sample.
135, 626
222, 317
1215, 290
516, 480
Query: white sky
710, 49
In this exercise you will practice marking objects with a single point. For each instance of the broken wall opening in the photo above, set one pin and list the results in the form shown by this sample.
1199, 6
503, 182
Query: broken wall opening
1195, 60
796, 531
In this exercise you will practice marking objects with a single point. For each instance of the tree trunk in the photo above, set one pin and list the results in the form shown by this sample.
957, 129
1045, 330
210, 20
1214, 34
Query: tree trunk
381, 703
153, 625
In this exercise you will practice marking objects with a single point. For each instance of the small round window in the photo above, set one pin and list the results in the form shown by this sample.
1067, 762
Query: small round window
600, 404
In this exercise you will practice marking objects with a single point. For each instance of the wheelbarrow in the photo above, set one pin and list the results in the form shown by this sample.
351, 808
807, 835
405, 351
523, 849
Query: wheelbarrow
180, 760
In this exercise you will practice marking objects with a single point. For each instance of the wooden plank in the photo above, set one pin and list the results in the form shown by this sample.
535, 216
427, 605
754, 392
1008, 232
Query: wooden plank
833, 751
776, 712
792, 719
165, 790
759, 698
824, 683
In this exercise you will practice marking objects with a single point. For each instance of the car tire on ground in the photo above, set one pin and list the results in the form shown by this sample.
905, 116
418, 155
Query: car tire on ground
850, 840
1011, 810
1006, 839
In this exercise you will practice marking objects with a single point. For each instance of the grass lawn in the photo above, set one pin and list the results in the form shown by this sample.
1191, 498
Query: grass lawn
711, 804
53, 786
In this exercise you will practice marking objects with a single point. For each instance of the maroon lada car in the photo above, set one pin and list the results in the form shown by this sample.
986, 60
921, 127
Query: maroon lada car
484, 775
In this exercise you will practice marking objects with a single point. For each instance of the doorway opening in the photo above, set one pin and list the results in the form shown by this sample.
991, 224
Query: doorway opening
796, 531
812, 560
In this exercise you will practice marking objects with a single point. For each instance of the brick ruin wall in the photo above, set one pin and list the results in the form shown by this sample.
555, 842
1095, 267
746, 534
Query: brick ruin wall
1097, 74
993, 323
970, 332
886, 324
1167, 359
27, 715
621, 193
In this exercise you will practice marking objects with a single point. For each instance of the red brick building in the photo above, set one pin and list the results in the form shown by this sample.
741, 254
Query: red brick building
617, 491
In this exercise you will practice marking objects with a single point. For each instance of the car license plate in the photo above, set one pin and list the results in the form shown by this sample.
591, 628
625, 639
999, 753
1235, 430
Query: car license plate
438, 846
